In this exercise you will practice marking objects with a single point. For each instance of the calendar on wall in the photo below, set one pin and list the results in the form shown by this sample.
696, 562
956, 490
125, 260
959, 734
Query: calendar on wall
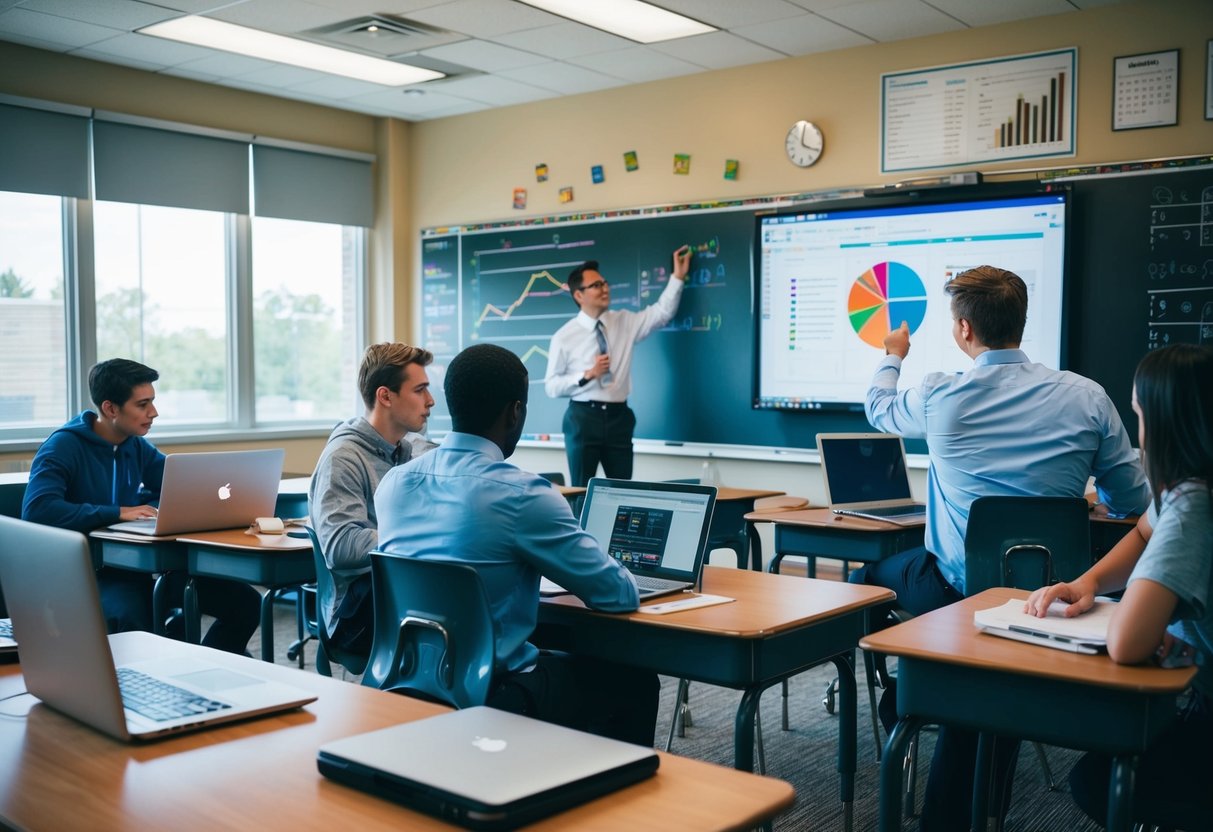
1145, 90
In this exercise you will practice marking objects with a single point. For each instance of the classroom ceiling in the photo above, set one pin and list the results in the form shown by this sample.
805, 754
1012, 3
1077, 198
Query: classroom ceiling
495, 52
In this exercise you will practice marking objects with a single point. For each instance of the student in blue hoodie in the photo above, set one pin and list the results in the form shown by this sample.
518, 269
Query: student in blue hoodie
97, 470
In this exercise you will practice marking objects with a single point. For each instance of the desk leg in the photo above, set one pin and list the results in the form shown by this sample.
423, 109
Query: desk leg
751, 531
983, 781
193, 624
267, 626
890, 772
160, 603
847, 735
1120, 793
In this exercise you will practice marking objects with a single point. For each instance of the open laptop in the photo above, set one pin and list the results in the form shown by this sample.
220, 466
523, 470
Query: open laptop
7, 643
66, 659
865, 476
483, 768
658, 530
214, 490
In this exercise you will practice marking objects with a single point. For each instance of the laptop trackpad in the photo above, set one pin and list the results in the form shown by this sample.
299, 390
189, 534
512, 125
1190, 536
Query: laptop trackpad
217, 679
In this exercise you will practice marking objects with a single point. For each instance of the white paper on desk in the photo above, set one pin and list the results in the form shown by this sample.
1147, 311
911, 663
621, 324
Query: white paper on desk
548, 588
1090, 628
690, 602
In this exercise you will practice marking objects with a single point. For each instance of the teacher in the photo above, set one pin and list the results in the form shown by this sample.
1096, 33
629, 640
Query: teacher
590, 361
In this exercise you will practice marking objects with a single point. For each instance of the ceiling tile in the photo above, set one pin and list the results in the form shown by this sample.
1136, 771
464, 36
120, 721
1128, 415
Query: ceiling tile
638, 64
398, 103
195, 6
483, 18
888, 20
225, 65
150, 50
564, 40
725, 14
717, 50
985, 14
282, 75
802, 35
336, 87
483, 55
117, 14
192, 75
120, 60
69, 34
284, 17
564, 78
491, 89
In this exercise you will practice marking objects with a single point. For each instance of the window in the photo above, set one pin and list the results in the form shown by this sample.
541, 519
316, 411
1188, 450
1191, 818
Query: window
161, 299
33, 391
305, 318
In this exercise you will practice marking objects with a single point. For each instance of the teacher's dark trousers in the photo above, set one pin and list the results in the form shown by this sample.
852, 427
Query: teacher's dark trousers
598, 432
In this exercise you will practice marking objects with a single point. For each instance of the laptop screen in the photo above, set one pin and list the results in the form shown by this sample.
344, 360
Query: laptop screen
863, 468
649, 527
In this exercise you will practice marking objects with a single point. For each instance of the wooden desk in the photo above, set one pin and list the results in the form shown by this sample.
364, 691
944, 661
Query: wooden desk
818, 532
57, 774
778, 626
729, 529
144, 553
948, 672
274, 561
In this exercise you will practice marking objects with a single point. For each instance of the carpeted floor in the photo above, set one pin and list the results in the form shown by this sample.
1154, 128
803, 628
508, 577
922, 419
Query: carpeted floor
806, 754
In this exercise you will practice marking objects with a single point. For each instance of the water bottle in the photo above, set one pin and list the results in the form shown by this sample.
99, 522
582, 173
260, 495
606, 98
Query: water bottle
709, 474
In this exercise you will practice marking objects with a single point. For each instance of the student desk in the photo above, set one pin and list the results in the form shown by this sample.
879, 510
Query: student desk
261, 774
729, 529
949, 672
274, 561
143, 553
778, 626
818, 532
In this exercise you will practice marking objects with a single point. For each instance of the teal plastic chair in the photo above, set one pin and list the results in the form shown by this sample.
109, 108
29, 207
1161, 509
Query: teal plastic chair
326, 653
1026, 542
434, 635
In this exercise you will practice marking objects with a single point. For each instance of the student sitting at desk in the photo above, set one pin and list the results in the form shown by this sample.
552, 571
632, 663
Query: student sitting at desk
97, 470
394, 385
1005, 427
463, 502
1165, 567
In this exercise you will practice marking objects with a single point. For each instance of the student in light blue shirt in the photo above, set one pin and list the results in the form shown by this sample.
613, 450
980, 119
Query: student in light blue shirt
1006, 427
463, 502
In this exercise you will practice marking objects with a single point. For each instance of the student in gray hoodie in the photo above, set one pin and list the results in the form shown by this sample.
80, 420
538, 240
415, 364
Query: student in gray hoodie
393, 383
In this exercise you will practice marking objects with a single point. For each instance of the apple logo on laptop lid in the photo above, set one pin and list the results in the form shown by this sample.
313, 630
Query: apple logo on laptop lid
489, 744
225, 491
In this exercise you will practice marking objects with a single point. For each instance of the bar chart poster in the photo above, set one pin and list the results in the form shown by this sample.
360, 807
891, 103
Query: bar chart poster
1019, 107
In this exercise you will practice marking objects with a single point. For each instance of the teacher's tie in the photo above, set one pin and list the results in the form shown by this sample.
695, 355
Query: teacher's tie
600, 334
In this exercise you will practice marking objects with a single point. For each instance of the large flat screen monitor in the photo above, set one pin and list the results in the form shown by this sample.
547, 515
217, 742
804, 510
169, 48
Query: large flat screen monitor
834, 279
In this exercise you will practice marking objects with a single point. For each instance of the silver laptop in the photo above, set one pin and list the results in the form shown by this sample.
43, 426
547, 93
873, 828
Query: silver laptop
215, 490
7, 643
865, 475
658, 530
66, 659
483, 768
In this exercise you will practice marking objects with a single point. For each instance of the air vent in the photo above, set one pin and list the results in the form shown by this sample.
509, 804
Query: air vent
383, 35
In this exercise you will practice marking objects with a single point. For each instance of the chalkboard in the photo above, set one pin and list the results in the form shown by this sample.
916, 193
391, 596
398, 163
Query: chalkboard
1141, 265
1140, 276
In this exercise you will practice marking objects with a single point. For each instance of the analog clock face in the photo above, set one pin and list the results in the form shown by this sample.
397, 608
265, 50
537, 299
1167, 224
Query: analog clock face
804, 143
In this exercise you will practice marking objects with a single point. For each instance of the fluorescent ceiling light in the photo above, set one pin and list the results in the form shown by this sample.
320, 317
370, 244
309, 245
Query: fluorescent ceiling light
632, 19
206, 31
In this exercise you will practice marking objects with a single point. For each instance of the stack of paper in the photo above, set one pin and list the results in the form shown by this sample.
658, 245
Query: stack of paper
1086, 633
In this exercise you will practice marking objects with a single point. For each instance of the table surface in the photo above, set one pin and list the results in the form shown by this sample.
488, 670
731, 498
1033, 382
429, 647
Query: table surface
948, 635
239, 539
262, 773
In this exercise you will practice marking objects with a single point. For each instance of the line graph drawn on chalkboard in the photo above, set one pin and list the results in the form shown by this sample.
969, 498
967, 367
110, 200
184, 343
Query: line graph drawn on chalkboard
544, 279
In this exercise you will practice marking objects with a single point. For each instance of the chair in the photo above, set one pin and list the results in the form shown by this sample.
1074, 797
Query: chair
326, 652
554, 477
434, 633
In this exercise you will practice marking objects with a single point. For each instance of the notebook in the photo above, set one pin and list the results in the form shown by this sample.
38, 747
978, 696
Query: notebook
215, 490
865, 476
48, 580
485, 769
657, 530
1086, 633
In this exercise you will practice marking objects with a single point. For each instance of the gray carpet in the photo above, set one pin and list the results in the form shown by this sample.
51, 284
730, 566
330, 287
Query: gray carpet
806, 755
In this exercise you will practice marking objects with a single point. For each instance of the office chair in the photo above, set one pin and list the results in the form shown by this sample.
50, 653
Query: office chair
434, 633
326, 653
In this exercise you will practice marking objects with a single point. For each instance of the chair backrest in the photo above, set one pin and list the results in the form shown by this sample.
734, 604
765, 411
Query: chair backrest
554, 477
1026, 542
353, 662
434, 631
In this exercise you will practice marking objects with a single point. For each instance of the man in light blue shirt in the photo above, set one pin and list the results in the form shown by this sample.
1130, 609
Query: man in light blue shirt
1006, 427
463, 502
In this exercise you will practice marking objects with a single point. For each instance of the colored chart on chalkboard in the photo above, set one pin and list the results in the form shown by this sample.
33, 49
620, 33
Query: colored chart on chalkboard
884, 296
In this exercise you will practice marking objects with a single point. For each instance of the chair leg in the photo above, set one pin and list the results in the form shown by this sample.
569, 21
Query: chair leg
762, 756
784, 722
827, 700
910, 778
869, 669
1044, 766
679, 698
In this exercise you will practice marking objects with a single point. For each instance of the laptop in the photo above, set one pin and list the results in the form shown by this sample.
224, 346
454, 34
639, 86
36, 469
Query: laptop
865, 476
216, 490
481, 768
48, 580
657, 530
8, 644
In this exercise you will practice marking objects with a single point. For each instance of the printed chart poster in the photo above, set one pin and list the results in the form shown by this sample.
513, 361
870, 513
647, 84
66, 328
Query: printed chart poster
1019, 107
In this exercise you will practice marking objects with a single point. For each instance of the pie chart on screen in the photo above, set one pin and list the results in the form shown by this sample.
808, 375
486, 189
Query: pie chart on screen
884, 296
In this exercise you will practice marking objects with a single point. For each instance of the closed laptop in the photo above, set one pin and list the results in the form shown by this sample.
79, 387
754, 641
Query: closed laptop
483, 768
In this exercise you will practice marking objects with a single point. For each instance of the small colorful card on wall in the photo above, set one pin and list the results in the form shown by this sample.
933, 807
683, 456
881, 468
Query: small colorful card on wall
596, 174
566, 194
541, 172
520, 198
630, 161
730, 168
682, 163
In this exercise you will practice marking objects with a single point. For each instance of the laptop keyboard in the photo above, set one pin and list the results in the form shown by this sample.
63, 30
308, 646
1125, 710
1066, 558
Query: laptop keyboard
160, 701
890, 511
6, 628
645, 582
